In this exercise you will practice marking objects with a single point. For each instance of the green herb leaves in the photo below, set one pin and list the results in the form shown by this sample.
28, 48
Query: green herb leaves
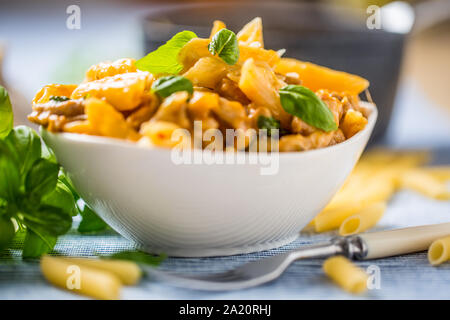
165, 86
268, 123
6, 114
90, 221
224, 43
31, 194
6, 232
303, 103
164, 60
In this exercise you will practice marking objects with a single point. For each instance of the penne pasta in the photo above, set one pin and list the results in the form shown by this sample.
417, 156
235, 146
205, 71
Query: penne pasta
347, 275
424, 183
81, 279
439, 251
363, 220
442, 173
128, 272
235, 68
332, 218
217, 26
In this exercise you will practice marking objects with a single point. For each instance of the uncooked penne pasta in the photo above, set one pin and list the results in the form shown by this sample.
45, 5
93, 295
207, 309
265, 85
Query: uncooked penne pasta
424, 183
332, 218
81, 279
128, 272
347, 275
439, 251
363, 220
442, 173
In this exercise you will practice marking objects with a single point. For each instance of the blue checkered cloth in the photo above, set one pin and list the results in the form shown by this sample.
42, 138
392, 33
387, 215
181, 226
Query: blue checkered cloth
403, 277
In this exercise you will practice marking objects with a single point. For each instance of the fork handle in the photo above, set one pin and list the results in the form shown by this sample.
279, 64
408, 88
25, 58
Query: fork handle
401, 241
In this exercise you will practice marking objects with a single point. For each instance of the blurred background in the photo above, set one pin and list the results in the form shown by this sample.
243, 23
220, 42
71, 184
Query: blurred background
407, 61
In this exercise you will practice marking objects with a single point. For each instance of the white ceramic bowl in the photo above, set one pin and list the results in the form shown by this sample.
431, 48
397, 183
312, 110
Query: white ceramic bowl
200, 209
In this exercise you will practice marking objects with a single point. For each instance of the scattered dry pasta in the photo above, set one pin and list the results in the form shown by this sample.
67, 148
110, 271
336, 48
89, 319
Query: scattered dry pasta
376, 177
363, 220
93, 282
439, 251
347, 275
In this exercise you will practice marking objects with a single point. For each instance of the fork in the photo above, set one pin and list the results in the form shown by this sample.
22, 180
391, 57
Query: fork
361, 247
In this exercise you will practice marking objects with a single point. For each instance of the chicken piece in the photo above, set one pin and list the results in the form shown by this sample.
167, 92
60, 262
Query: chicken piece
53, 90
300, 126
260, 84
108, 69
298, 142
174, 109
232, 113
333, 103
144, 112
338, 137
231, 91
68, 108
54, 114
123, 91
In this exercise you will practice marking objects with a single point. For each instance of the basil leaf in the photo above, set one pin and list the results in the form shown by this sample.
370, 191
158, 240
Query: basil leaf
164, 60
138, 257
48, 220
47, 153
25, 144
224, 43
61, 197
268, 123
10, 181
59, 98
6, 113
90, 222
165, 86
41, 179
62, 176
305, 104
7, 232
35, 246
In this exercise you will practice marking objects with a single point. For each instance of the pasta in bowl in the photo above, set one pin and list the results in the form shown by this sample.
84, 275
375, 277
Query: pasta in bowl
116, 133
227, 82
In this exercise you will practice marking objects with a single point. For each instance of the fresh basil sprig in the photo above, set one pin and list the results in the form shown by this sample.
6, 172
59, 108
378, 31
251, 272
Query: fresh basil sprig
224, 43
90, 221
305, 104
165, 86
164, 60
6, 114
30, 193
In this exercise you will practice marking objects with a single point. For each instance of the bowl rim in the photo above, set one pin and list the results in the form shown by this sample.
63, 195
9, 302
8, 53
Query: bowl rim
115, 142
